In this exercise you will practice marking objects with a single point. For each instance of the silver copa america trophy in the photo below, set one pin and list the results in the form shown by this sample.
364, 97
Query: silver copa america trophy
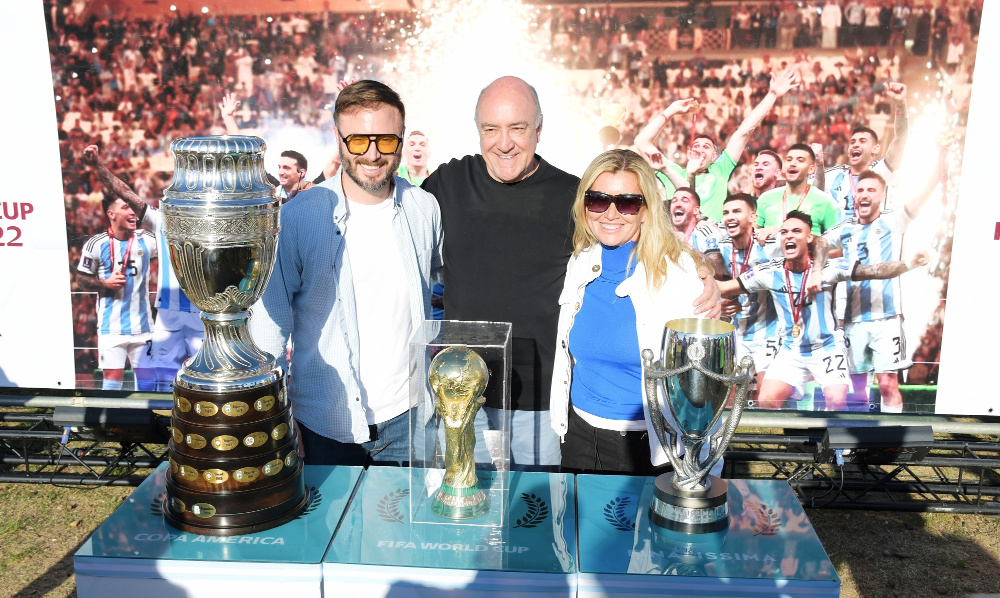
697, 372
234, 466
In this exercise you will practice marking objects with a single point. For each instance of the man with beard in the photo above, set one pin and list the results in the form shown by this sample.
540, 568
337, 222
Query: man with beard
507, 214
351, 282
862, 154
766, 168
811, 342
291, 177
709, 169
873, 316
754, 317
292, 165
700, 234
115, 265
415, 157
797, 194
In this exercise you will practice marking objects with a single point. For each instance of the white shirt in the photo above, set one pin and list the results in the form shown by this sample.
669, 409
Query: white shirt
383, 309
310, 298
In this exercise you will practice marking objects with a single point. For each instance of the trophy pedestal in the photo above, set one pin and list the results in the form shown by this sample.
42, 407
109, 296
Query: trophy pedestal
234, 464
768, 549
460, 503
380, 551
237, 513
689, 512
136, 553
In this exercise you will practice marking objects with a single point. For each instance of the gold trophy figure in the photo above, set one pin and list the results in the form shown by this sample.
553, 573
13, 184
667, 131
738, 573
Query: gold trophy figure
458, 378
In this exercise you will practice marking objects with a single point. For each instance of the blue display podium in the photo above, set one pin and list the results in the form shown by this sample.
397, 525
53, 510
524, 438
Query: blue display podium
135, 552
379, 551
769, 548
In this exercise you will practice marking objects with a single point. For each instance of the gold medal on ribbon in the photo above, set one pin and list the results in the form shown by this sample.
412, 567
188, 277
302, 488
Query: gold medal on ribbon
795, 303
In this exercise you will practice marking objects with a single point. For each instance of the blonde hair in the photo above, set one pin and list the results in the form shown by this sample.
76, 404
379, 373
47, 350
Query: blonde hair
657, 240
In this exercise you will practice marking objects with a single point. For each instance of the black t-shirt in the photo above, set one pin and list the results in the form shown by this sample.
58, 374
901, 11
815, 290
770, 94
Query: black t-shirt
505, 253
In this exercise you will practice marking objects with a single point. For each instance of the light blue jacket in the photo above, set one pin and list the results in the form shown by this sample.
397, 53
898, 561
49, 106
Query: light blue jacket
310, 298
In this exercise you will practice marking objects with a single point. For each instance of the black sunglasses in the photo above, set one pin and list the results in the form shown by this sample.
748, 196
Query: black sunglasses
626, 203
384, 143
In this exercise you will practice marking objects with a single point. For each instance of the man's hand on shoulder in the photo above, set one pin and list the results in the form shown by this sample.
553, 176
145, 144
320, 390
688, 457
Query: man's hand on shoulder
814, 283
709, 303
765, 233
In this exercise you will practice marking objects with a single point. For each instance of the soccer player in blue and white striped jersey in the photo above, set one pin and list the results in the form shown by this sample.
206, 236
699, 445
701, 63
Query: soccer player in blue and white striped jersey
115, 264
697, 232
811, 343
756, 322
862, 154
178, 330
873, 313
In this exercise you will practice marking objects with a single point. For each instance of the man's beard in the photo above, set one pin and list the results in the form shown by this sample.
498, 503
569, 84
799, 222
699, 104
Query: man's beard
351, 169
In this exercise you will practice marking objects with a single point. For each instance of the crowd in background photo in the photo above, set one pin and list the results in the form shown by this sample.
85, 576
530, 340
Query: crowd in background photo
131, 85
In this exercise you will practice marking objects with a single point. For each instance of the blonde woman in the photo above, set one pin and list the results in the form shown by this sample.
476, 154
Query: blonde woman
629, 274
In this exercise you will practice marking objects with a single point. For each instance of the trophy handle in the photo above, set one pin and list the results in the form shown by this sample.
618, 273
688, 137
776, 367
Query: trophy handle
742, 380
652, 373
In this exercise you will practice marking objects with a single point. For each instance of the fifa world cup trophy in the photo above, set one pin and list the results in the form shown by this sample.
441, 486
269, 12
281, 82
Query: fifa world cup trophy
234, 466
697, 373
458, 378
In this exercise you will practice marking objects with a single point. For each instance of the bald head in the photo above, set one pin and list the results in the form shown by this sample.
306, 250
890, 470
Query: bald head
509, 119
510, 85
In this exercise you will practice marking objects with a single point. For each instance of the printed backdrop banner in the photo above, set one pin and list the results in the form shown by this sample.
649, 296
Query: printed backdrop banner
48, 324
36, 334
969, 349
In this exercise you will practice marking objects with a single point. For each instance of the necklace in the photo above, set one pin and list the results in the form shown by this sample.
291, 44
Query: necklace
128, 249
784, 205
797, 305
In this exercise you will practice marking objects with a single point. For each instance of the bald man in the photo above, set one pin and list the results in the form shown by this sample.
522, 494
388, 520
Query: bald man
506, 213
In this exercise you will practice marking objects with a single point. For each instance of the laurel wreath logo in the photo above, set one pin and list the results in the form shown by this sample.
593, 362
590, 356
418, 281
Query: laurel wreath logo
614, 513
315, 498
156, 507
767, 522
388, 507
536, 513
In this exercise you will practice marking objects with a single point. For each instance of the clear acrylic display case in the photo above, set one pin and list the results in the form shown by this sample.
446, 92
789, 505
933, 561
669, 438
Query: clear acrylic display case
492, 342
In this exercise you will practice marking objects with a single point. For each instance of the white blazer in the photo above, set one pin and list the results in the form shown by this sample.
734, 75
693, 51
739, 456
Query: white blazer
653, 309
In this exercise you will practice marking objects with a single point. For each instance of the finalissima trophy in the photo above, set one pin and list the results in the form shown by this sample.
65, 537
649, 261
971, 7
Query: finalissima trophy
234, 466
697, 373
458, 378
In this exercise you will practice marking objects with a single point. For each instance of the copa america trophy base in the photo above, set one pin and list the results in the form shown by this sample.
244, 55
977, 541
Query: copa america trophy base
697, 372
234, 466
458, 377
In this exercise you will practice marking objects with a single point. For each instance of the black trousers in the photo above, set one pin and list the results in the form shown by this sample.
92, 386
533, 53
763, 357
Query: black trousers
592, 450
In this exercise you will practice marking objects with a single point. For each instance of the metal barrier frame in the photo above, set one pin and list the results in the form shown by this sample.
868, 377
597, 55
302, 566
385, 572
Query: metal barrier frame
960, 475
